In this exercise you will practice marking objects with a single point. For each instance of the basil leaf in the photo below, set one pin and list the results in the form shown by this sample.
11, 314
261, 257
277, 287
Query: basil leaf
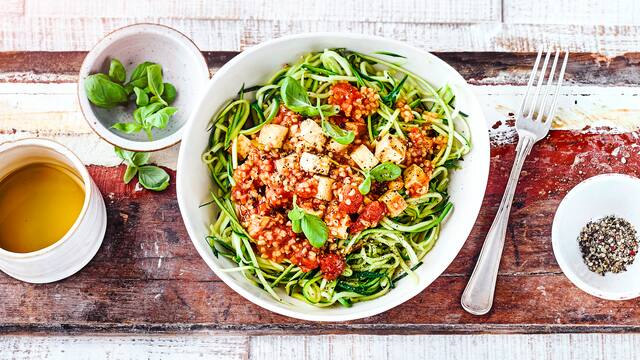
139, 75
293, 94
341, 136
170, 93
365, 186
296, 226
117, 73
147, 111
160, 118
125, 155
295, 214
130, 173
140, 158
315, 230
127, 128
296, 99
142, 98
154, 79
103, 92
387, 171
153, 178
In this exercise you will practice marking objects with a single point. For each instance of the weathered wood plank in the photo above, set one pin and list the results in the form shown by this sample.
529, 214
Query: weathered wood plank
585, 12
409, 11
355, 347
72, 34
490, 68
449, 347
121, 347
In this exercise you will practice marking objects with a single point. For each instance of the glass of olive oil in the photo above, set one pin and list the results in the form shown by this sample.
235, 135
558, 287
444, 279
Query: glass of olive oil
39, 203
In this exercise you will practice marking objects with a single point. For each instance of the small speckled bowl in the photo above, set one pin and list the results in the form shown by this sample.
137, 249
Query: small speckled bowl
182, 63
593, 199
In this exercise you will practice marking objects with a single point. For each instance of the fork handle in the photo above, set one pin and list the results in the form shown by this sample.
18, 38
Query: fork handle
477, 297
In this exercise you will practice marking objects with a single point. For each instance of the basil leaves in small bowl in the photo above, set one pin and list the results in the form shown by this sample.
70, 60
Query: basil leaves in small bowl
136, 87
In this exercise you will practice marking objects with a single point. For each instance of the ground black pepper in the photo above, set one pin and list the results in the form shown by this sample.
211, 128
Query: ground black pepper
608, 244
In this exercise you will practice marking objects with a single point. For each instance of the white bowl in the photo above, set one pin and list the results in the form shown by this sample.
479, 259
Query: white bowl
258, 64
592, 199
182, 64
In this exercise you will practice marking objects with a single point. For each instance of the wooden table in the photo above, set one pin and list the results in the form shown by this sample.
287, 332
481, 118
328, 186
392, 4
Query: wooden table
148, 288
147, 277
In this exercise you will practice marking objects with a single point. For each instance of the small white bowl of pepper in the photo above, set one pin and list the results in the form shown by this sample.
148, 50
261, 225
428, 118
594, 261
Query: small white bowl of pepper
595, 239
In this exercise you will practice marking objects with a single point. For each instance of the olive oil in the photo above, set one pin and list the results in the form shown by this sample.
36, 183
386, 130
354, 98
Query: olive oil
39, 203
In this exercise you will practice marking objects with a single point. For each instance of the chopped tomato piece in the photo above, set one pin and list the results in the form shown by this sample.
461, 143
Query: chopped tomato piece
350, 199
370, 217
332, 265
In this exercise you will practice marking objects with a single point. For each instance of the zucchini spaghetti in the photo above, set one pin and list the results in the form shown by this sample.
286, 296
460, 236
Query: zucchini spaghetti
331, 178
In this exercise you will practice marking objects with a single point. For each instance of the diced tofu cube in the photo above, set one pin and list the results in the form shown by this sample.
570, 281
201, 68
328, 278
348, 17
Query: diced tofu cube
336, 147
325, 185
315, 164
394, 202
414, 177
364, 158
287, 162
273, 135
396, 184
390, 148
337, 221
311, 134
244, 146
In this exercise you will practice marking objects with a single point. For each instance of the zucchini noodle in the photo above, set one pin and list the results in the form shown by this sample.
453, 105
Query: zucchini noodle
376, 258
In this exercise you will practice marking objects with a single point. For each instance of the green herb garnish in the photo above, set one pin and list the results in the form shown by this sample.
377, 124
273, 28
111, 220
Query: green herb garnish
314, 229
149, 176
387, 171
296, 99
152, 95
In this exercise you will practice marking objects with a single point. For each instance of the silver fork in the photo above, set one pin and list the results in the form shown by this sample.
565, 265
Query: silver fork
477, 297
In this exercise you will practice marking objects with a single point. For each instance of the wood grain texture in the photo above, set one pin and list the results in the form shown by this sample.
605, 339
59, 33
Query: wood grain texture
354, 347
584, 12
80, 34
406, 11
449, 347
121, 347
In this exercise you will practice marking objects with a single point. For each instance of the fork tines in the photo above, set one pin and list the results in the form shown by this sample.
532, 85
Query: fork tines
533, 104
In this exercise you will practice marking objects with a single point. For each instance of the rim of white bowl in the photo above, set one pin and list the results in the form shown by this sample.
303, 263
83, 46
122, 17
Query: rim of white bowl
85, 107
77, 166
555, 240
393, 301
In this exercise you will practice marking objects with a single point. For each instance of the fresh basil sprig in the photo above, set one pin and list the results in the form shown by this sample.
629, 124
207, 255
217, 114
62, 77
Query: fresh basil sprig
152, 95
138, 77
386, 171
314, 229
296, 99
149, 176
